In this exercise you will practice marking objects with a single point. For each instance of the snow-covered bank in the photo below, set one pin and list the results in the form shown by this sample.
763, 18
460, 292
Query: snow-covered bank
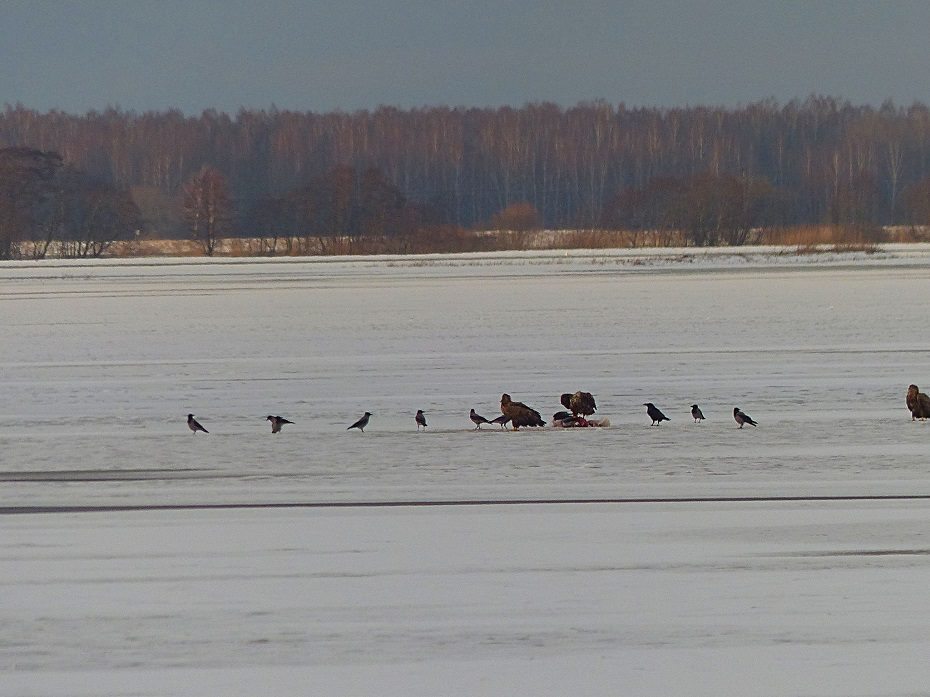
641, 259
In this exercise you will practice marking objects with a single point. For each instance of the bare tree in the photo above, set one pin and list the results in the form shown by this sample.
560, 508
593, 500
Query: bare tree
94, 216
270, 219
207, 208
26, 195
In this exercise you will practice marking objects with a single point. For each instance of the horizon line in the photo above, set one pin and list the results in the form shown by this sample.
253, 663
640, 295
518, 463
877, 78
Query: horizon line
273, 108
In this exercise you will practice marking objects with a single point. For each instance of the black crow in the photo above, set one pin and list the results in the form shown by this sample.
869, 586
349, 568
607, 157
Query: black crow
657, 416
420, 419
502, 420
564, 419
696, 413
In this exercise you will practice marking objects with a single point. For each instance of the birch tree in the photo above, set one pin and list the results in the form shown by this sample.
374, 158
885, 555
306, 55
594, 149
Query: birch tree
208, 208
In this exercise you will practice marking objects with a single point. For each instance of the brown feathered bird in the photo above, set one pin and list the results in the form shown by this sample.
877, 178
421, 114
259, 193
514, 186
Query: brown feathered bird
579, 403
918, 403
519, 414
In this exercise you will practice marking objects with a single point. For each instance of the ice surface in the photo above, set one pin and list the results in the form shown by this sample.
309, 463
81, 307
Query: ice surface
696, 599
101, 362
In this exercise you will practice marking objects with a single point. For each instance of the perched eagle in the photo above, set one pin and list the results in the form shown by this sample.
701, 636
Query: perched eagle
918, 403
519, 414
579, 403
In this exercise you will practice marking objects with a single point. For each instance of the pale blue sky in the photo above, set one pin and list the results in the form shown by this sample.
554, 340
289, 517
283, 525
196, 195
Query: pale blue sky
353, 54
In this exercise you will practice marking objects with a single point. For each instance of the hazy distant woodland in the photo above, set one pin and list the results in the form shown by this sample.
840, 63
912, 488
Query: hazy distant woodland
426, 179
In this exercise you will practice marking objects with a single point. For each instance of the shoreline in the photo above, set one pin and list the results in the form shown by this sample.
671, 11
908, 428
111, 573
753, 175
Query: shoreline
711, 257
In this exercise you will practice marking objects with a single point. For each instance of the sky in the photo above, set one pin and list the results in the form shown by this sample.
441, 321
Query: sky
192, 55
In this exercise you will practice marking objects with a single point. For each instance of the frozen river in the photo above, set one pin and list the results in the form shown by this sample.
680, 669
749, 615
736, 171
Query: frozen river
822, 594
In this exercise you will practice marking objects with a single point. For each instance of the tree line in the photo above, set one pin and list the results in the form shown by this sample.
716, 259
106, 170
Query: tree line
50, 207
712, 173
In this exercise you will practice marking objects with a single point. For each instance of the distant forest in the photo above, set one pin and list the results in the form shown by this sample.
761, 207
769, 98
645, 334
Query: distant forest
712, 173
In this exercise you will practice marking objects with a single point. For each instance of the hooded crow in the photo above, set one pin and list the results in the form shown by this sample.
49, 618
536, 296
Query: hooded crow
696, 413
657, 416
193, 425
918, 403
420, 419
502, 420
742, 418
477, 419
361, 423
277, 422
519, 414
